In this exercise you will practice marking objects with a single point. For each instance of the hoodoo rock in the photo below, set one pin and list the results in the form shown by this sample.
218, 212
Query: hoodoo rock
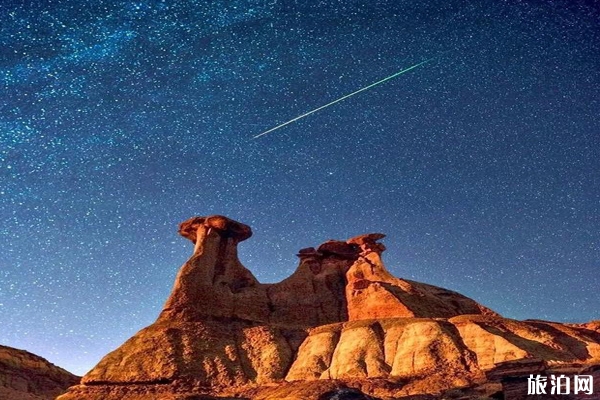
340, 325
25, 376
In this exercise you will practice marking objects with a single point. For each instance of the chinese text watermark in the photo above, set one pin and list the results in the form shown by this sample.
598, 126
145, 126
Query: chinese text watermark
561, 384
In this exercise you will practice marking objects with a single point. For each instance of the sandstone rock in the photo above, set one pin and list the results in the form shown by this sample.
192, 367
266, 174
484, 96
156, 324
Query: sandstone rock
207, 284
392, 349
368, 243
340, 325
339, 249
593, 325
216, 355
359, 353
308, 252
372, 292
25, 376
488, 343
223, 225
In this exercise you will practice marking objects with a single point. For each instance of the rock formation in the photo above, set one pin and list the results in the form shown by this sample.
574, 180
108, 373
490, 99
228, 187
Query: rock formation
25, 376
340, 325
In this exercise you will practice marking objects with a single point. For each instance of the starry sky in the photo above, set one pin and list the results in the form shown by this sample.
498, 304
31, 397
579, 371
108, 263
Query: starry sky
120, 119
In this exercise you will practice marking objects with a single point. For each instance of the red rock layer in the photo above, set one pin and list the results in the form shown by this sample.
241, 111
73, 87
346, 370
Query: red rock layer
25, 376
341, 317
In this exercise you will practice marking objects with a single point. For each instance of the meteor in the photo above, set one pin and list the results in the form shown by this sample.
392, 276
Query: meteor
344, 97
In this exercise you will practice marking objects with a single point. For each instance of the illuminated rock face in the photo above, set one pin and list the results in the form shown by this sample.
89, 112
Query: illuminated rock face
338, 281
25, 376
341, 319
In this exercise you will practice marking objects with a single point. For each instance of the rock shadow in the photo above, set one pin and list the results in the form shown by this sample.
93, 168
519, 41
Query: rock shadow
575, 346
537, 349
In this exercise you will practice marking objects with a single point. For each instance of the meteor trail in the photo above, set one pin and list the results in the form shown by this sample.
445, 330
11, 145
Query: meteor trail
344, 97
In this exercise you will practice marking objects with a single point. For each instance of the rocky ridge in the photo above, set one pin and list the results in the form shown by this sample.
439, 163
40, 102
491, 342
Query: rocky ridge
340, 322
25, 376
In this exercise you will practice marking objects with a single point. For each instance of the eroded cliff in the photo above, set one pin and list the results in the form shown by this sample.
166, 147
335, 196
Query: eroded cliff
341, 318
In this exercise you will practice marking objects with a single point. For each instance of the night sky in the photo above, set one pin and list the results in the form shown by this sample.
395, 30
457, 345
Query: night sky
120, 119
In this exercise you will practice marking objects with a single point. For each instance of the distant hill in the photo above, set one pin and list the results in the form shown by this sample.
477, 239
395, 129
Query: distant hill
25, 376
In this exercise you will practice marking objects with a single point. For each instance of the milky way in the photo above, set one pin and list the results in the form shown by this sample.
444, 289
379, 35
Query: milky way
119, 119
